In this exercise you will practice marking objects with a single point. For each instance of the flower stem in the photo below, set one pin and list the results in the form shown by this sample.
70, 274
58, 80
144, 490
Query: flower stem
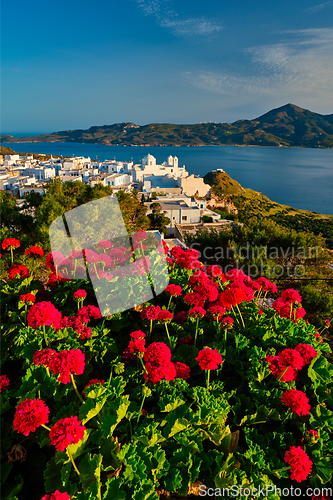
77, 392
45, 427
11, 254
166, 327
208, 374
72, 460
143, 400
45, 338
196, 331
284, 371
110, 378
240, 315
143, 365
225, 341
169, 302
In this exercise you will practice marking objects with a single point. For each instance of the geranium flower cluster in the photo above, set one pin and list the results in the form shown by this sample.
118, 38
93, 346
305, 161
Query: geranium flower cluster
158, 364
30, 414
44, 314
157, 360
34, 251
296, 401
209, 359
57, 495
174, 290
18, 272
28, 298
137, 344
79, 323
66, 431
294, 359
4, 383
63, 363
186, 259
266, 285
10, 243
288, 305
300, 463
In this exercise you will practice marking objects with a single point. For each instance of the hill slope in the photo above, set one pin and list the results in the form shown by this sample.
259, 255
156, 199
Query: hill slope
252, 204
288, 125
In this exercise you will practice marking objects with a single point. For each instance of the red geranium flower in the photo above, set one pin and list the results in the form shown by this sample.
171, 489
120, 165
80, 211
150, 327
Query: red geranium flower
137, 345
85, 313
292, 358
291, 295
296, 401
216, 272
307, 352
209, 359
182, 370
57, 495
151, 313
54, 259
174, 290
181, 317
104, 244
227, 322
10, 243
18, 271
194, 299
232, 297
197, 311
4, 383
80, 294
266, 285
65, 432
43, 357
185, 341
157, 358
300, 463
165, 315
30, 414
28, 298
216, 310
34, 251
44, 313
67, 363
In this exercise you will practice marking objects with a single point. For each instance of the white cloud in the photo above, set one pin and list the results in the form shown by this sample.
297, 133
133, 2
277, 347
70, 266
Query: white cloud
300, 66
321, 6
168, 18
195, 26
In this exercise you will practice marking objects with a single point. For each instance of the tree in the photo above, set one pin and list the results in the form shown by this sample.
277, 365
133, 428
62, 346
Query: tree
157, 218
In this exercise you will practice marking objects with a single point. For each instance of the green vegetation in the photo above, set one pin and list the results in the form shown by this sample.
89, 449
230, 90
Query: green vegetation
288, 125
292, 247
31, 223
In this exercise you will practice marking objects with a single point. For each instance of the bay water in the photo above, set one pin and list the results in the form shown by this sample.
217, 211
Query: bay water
297, 177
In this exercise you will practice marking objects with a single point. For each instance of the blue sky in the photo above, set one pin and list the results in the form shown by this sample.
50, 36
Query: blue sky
74, 64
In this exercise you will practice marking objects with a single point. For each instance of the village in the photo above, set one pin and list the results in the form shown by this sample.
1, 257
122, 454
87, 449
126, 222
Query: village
184, 198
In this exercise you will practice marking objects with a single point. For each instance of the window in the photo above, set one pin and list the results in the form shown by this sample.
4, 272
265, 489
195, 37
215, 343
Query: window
184, 217
201, 206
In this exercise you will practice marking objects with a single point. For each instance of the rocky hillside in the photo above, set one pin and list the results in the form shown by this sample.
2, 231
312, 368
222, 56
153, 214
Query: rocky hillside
288, 125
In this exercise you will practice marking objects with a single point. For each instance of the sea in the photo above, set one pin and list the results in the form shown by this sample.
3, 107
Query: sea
298, 177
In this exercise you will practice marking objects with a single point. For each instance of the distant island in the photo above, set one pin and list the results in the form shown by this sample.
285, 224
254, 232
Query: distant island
289, 126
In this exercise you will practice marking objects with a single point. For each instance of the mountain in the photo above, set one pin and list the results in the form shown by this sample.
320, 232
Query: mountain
288, 125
